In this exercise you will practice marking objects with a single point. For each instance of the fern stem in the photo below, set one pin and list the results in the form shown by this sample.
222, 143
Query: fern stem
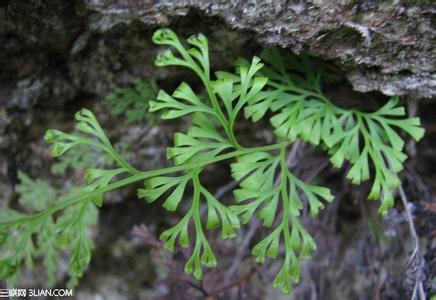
134, 178
228, 127
205, 78
122, 162
317, 95
113, 153
285, 198
196, 205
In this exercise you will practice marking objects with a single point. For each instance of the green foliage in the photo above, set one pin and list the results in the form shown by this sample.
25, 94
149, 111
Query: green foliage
365, 140
44, 234
82, 157
201, 142
41, 236
291, 89
35, 194
259, 192
72, 230
132, 102
218, 215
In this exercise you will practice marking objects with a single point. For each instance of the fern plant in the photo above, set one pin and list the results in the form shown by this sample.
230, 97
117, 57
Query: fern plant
290, 88
132, 101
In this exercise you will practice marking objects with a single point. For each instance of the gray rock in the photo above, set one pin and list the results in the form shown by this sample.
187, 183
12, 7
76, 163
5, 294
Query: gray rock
382, 46
82, 48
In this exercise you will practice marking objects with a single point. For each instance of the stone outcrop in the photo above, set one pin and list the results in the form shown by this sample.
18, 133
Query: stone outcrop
55, 52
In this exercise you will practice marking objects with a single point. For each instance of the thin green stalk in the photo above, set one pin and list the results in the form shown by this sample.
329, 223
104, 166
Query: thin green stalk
114, 154
196, 205
205, 78
285, 198
122, 162
134, 178
228, 127
318, 95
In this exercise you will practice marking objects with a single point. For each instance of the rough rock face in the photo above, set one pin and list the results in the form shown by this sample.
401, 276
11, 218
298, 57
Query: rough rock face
57, 52
383, 46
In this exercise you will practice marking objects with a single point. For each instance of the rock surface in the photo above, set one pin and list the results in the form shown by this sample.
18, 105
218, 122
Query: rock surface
56, 52
386, 46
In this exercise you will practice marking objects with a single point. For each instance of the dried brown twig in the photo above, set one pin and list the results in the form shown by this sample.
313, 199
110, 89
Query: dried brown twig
235, 283
416, 255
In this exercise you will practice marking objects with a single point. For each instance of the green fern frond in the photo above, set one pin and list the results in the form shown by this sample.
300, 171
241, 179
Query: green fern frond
259, 192
290, 88
368, 141
218, 215
81, 158
36, 194
132, 101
